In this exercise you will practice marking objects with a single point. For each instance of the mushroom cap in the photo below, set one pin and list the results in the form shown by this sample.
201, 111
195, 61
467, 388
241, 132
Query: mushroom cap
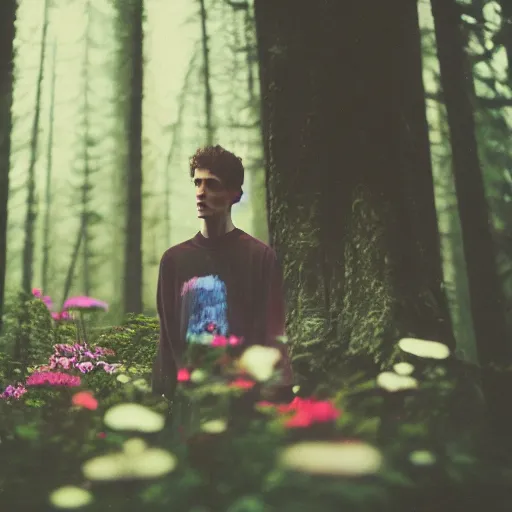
132, 416
84, 303
346, 458
424, 348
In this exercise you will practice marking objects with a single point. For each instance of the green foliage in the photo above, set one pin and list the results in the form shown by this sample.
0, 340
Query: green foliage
29, 335
134, 342
239, 469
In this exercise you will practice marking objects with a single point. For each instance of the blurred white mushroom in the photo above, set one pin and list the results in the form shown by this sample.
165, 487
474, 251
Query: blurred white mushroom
354, 458
132, 416
70, 497
136, 461
259, 361
424, 348
214, 426
393, 382
403, 368
296, 389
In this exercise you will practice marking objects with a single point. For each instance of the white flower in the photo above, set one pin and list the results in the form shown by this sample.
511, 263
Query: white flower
424, 348
259, 361
296, 389
70, 496
131, 416
214, 426
330, 458
136, 461
403, 368
393, 382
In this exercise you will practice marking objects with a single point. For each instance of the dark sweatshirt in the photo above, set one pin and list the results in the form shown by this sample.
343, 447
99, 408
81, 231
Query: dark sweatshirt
234, 282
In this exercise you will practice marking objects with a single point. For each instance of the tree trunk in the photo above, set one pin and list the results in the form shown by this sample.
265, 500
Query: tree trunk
175, 142
486, 296
506, 13
48, 189
84, 220
7, 33
133, 247
348, 177
31, 215
210, 130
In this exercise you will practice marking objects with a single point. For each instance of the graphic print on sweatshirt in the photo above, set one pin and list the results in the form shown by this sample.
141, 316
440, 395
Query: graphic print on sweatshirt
204, 308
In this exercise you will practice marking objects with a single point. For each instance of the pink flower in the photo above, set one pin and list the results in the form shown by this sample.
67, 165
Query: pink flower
101, 435
211, 327
65, 362
53, 379
85, 367
63, 315
13, 392
85, 399
109, 368
219, 341
306, 412
242, 384
234, 340
183, 375
37, 292
82, 302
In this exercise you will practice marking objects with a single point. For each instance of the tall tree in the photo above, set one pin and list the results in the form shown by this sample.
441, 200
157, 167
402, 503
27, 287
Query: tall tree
48, 185
133, 235
86, 185
31, 215
210, 129
486, 297
7, 33
349, 183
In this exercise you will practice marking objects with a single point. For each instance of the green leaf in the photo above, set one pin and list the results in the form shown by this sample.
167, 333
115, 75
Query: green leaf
27, 432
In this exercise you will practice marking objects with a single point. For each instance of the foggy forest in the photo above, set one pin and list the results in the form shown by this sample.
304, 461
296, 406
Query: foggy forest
375, 138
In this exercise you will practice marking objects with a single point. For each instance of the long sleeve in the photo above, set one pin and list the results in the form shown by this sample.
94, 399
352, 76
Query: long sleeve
164, 368
275, 313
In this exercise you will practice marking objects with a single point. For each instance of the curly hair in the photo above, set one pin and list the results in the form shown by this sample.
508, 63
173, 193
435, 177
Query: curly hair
224, 164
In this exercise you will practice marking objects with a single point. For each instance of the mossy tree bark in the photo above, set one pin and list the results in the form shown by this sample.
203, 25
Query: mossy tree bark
349, 181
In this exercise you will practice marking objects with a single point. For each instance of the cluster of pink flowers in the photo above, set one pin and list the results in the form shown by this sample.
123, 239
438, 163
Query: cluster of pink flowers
222, 341
13, 392
306, 411
53, 379
80, 357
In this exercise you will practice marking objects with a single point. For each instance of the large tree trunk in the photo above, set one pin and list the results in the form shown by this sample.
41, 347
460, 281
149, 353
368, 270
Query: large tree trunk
45, 264
133, 247
486, 296
7, 33
350, 193
31, 215
210, 129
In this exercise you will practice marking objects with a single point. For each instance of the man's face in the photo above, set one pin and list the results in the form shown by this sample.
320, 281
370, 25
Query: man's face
212, 197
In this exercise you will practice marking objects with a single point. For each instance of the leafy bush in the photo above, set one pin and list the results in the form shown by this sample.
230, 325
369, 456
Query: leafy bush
412, 438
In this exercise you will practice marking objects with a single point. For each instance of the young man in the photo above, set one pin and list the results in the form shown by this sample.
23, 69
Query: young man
222, 277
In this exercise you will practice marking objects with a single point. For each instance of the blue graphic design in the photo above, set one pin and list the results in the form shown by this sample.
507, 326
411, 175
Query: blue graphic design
204, 300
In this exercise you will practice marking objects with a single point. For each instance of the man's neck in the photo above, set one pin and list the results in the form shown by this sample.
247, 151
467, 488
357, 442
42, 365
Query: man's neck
214, 227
